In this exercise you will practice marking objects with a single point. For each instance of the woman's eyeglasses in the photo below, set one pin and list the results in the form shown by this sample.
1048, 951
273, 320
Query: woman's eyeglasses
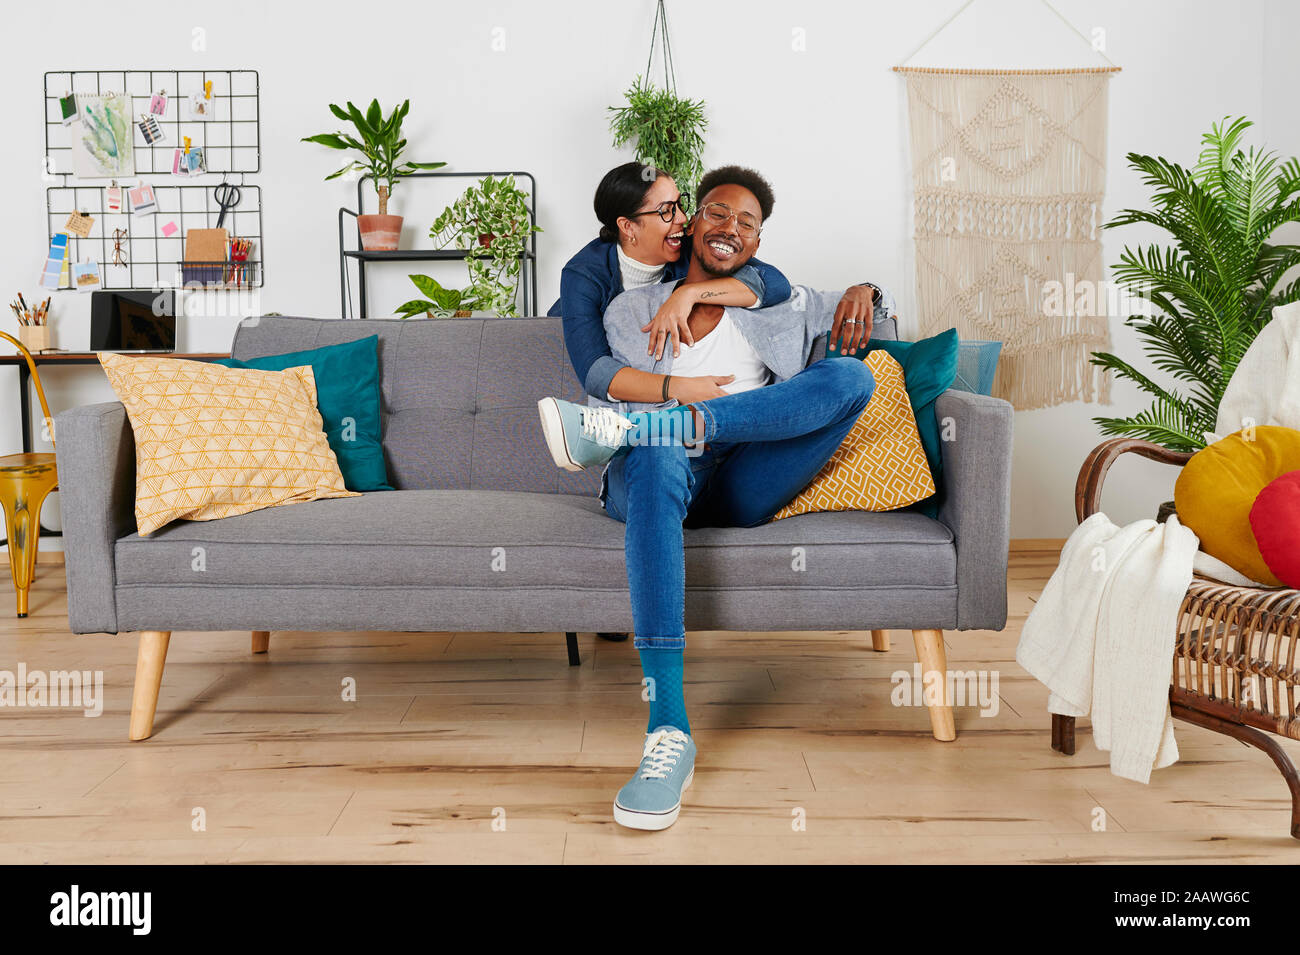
667, 210
719, 212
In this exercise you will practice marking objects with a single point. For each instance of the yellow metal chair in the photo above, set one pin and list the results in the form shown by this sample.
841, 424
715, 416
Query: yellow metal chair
25, 481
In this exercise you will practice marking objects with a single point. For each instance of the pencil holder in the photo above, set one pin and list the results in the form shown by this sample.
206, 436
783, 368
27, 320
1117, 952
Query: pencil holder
35, 338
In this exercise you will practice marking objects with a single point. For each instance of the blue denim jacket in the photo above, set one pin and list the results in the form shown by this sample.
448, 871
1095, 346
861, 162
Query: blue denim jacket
592, 279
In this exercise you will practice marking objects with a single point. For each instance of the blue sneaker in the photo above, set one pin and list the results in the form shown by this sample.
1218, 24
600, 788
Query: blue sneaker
581, 437
653, 797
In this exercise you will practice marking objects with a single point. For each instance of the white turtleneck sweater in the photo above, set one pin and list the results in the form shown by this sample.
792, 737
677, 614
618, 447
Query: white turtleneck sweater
637, 274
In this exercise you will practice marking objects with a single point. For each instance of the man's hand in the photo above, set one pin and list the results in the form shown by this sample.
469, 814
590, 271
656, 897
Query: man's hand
671, 323
853, 318
688, 391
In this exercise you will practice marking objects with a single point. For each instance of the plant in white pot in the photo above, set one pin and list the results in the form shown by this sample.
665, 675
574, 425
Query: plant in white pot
380, 144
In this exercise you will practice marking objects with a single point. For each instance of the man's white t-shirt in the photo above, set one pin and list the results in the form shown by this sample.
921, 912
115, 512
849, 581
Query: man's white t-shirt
723, 351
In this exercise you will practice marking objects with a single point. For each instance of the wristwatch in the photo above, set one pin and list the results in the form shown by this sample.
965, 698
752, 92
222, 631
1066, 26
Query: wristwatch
875, 292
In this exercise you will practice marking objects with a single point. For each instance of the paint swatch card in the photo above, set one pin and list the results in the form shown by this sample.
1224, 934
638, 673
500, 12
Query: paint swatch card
158, 104
113, 198
143, 202
80, 224
55, 261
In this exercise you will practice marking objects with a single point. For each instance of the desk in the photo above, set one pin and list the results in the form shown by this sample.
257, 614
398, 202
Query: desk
60, 358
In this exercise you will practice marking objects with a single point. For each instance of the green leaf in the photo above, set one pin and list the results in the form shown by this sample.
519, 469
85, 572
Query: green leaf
427, 285
332, 140
414, 307
335, 175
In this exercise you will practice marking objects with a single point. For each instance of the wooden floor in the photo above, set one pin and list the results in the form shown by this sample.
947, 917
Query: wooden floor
489, 748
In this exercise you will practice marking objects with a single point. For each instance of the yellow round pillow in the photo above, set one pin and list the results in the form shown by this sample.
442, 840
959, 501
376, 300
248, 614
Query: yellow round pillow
1218, 486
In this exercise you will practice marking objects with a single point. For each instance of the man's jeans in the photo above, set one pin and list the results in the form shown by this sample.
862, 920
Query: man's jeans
764, 447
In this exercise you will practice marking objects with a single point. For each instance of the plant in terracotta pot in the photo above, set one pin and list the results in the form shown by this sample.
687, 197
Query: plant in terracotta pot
380, 143
438, 301
493, 220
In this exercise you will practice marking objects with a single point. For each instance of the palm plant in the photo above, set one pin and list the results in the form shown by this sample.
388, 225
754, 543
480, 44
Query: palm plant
1214, 289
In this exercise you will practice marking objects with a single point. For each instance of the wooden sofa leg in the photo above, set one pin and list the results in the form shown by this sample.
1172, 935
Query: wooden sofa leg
261, 641
929, 650
149, 663
880, 641
1063, 734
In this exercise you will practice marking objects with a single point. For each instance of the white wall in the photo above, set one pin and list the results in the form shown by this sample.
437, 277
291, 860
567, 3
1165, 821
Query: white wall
826, 124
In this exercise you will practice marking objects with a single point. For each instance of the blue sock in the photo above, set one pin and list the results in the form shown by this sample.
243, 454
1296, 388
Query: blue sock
669, 426
667, 702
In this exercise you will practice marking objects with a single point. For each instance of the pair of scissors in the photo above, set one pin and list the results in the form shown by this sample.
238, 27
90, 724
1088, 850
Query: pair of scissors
227, 197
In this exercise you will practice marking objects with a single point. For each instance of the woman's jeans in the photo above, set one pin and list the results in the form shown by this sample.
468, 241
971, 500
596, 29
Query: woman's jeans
764, 446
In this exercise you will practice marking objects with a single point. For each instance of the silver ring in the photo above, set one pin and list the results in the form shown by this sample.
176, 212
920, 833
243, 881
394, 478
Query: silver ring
850, 321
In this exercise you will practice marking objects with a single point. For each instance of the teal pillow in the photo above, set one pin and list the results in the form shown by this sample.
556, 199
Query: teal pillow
929, 369
347, 387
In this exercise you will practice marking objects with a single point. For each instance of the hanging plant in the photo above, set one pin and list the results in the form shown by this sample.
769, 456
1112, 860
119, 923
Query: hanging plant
666, 130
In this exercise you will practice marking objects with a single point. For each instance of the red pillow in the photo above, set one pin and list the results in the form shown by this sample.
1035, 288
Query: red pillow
1275, 519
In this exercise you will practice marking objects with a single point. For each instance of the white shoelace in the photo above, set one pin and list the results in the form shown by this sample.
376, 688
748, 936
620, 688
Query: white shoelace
605, 426
662, 747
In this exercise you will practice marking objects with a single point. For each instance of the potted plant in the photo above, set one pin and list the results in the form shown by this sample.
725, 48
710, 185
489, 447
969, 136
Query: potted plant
668, 130
491, 220
1214, 289
380, 143
438, 301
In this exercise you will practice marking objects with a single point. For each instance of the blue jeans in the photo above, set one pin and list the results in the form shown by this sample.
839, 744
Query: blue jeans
763, 447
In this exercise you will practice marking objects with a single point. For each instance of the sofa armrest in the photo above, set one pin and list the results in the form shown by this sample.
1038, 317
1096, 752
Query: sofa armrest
95, 451
977, 502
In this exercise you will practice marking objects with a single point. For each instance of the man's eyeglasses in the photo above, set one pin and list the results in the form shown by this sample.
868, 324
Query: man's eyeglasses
667, 210
717, 213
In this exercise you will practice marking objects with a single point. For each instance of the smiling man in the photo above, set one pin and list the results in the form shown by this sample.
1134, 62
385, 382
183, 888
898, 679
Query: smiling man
731, 461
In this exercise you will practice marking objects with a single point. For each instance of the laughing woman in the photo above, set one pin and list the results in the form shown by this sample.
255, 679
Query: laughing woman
642, 240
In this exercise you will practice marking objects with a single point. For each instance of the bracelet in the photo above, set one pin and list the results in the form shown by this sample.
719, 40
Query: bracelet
667, 378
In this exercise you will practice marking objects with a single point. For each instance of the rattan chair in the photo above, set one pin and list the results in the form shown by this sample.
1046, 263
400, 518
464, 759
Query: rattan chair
25, 481
1234, 667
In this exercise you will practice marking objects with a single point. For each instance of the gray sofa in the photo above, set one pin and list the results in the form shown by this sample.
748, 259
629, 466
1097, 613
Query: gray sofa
486, 534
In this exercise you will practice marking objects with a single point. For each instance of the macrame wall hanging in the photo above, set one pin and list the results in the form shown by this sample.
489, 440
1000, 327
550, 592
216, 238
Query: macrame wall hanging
1009, 171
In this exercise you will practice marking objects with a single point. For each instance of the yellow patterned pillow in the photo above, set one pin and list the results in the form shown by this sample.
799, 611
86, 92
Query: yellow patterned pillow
212, 441
881, 464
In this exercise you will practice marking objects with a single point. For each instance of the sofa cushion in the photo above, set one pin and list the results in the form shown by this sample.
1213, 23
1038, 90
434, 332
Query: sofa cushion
1218, 486
880, 465
211, 442
516, 540
347, 395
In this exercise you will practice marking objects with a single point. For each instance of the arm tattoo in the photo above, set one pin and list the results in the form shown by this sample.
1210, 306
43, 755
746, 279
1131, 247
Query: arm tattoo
704, 295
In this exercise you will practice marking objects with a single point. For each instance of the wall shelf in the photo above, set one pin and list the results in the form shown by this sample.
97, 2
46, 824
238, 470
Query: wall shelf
362, 257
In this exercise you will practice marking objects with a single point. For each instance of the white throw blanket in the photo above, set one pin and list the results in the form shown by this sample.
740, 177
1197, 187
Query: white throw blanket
1101, 637
1265, 387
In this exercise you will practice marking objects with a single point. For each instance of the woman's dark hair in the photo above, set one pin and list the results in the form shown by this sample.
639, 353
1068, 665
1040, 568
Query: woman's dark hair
737, 176
621, 193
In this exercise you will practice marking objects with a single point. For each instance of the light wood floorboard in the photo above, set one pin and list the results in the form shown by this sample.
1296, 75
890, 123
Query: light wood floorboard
489, 748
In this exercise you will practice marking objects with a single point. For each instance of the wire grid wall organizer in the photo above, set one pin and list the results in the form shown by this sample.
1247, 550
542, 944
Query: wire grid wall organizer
231, 136
152, 257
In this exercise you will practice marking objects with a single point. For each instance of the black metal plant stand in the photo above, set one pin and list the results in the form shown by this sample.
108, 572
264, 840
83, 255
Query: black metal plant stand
528, 272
